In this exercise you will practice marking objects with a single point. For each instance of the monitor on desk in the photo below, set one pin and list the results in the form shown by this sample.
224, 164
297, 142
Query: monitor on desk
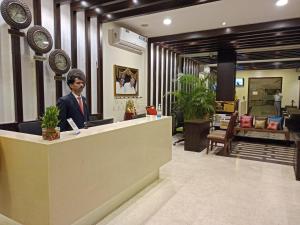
94, 123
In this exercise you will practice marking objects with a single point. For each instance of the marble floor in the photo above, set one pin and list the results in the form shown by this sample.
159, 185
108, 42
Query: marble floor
199, 189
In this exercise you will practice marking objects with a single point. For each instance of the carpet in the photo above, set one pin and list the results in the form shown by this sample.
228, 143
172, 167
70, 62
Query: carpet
263, 152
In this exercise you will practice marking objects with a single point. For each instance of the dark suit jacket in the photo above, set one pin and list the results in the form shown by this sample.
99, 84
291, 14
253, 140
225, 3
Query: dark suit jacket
69, 108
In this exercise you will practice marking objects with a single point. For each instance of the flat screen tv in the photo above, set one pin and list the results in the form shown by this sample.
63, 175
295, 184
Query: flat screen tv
239, 82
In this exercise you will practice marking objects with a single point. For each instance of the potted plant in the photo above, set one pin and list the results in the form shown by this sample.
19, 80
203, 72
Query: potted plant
50, 120
195, 97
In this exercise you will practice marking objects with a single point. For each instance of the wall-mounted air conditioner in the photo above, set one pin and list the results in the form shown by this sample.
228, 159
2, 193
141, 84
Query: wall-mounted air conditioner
128, 40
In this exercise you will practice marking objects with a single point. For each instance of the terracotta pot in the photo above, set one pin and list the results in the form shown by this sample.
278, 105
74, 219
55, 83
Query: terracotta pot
51, 133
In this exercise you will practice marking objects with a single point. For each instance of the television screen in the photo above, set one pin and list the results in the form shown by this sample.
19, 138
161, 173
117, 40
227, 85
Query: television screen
239, 82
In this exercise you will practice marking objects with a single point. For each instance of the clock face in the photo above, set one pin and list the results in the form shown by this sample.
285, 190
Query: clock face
40, 39
17, 13
61, 62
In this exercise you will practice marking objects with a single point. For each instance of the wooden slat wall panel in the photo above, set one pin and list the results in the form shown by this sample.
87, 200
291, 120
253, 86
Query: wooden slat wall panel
17, 69
162, 76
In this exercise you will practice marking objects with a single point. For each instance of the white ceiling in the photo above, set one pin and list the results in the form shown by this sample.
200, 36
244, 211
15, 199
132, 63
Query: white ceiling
211, 15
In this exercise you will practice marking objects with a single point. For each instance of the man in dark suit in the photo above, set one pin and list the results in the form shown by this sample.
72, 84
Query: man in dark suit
74, 104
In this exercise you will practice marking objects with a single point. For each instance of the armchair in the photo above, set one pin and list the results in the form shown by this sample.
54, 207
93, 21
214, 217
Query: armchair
223, 137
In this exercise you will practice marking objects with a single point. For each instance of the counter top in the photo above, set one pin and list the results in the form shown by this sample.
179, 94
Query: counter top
69, 135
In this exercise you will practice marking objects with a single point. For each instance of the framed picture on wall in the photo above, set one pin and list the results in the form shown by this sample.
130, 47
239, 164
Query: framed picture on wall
126, 81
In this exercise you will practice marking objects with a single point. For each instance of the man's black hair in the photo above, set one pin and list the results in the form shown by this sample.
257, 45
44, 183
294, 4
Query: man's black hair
73, 74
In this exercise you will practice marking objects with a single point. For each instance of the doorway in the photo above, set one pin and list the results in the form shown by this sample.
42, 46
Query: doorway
261, 93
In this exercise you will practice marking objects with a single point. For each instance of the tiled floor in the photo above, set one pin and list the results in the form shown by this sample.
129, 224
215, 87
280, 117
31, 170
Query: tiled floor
197, 189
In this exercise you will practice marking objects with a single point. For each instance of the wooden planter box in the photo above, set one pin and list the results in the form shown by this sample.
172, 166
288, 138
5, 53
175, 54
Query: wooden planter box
195, 133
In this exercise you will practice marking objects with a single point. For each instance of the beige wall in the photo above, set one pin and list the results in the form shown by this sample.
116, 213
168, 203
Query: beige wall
115, 107
290, 83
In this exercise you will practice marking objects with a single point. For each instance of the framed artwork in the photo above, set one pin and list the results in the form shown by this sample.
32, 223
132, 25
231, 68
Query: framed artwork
126, 81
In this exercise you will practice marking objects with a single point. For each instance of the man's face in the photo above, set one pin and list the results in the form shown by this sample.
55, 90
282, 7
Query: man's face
77, 86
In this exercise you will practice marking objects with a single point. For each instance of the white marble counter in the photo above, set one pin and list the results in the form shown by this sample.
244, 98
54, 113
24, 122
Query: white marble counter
78, 179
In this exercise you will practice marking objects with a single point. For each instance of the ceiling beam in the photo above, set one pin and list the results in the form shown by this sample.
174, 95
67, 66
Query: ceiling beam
230, 31
155, 8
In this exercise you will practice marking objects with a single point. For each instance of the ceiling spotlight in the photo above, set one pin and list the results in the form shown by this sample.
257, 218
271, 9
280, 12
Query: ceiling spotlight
135, 1
224, 23
84, 3
282, 2
109, 16
98, 10
167, 21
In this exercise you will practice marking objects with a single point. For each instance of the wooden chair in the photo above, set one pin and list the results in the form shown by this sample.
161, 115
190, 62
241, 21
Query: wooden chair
224, 137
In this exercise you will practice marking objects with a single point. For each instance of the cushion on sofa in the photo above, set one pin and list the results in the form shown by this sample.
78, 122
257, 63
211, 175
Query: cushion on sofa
273, 125
246, 121
260, 124
277, 119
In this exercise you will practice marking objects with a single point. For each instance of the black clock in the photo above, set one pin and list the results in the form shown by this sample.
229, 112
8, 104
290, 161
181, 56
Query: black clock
16, 13
39, 39
59, 61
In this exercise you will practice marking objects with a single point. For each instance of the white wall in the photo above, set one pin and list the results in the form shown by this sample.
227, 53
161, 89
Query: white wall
7, 108
28, 76
81, 44
49, 82
94, 62
290, 83
65, 19
115, 107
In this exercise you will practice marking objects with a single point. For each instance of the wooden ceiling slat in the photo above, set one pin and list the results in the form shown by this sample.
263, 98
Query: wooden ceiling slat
273, 26
150, 9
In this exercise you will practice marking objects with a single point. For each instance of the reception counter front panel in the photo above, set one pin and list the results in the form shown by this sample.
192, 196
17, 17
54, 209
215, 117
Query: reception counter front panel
79, 179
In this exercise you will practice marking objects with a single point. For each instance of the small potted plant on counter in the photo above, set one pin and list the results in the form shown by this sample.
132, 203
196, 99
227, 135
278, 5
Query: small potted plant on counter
50, 120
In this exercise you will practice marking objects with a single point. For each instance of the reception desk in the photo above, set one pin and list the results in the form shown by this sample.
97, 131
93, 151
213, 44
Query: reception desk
79, 179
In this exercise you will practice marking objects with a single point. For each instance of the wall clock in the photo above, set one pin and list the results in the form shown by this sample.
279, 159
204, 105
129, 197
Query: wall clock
16, 13
59, 61
39, 39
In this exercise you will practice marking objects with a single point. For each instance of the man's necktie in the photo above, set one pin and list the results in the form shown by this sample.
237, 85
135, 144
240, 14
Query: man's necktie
80, 105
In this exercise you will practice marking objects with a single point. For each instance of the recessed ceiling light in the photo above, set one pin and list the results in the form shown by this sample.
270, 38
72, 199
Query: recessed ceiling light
282, 2
224, 23
98, 10
108, 16
167, 21
84, 3
135, 1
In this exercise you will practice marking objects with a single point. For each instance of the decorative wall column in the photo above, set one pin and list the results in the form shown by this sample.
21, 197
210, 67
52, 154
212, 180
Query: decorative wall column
226, 75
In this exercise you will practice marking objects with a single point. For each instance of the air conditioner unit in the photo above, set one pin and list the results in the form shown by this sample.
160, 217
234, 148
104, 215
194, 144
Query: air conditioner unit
128, 40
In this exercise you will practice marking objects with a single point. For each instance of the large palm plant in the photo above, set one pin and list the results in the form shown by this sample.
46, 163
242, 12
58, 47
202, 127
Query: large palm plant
194, 97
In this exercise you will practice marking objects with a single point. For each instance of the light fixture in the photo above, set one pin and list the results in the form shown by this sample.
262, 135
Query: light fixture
98, 10
84, 3
135, 1
282, 2
224, 23
167, 21
108, 16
